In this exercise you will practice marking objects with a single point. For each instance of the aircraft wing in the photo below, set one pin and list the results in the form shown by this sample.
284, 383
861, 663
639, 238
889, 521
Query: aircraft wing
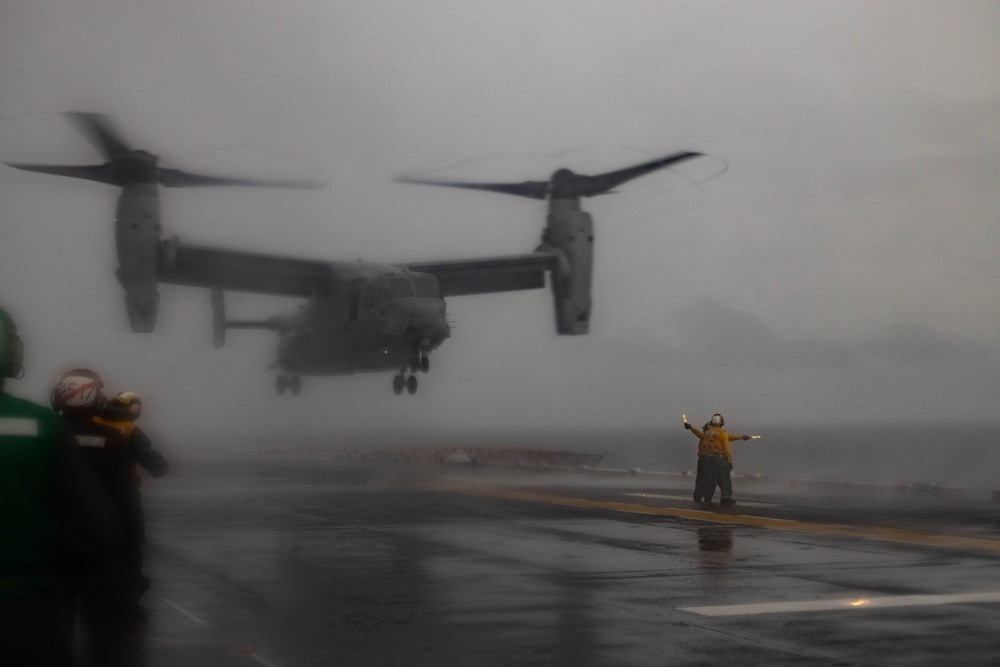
232, 270
195, 266
491, 274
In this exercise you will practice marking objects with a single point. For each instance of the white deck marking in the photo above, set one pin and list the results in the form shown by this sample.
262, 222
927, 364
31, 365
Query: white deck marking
262, 661
185, 612
830, 605
248, 650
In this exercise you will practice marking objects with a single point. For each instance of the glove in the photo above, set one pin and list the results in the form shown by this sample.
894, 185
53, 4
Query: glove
158, 465
687, 426
746, 437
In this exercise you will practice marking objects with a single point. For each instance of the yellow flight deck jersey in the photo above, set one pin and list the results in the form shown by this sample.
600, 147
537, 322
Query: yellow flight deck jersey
137, 447
124, 427
714, 441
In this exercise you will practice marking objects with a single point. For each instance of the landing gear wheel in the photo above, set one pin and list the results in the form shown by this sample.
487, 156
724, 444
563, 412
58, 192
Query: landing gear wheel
411, 384
281, 384
425, 364
397, 384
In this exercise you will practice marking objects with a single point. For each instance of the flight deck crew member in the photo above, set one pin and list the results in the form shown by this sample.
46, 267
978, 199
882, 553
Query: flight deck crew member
715, 460
122, 411
56, 523
113, 449
701, 474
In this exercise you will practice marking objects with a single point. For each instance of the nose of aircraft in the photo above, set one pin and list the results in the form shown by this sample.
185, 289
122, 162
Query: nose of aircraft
426, 323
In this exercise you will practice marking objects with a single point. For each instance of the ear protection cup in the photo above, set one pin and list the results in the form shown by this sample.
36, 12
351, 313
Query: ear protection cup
11, 348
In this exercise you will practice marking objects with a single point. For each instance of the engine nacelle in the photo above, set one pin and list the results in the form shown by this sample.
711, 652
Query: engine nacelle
137, 239
571, 231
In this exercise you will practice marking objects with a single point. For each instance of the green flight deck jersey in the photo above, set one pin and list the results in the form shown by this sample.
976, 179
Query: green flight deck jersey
32, 440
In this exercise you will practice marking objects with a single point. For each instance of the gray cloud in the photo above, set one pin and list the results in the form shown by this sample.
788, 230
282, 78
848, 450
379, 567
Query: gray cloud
732, 338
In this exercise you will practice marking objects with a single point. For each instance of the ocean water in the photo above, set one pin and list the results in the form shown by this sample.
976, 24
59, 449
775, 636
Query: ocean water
957, 455
966, 456
949, 455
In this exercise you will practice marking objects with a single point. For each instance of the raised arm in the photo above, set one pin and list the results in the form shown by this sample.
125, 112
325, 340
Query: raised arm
145, 455
698, 432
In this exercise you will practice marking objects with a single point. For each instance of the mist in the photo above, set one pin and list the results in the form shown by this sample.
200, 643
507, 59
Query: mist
834, 262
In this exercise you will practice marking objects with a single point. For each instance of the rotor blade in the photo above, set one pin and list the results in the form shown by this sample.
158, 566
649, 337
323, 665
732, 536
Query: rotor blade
175, 178
101, 132
530, 189
99, 172
588, 186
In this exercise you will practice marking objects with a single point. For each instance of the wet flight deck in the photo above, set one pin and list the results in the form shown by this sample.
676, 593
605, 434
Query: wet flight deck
295, 561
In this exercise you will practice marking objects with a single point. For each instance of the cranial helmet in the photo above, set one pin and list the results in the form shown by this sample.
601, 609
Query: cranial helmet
11, 348
717, 420
127, 404
79, 390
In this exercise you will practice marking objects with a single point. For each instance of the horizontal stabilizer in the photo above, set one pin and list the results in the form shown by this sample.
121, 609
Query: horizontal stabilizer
218, 319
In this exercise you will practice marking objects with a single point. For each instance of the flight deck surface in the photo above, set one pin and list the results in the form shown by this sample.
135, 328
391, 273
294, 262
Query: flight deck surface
297, 561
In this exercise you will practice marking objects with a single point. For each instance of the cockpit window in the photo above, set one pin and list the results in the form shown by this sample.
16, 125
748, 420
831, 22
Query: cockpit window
395, 287
427, 287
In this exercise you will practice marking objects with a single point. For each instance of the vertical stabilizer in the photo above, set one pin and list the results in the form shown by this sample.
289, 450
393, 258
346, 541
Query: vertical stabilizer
218, 319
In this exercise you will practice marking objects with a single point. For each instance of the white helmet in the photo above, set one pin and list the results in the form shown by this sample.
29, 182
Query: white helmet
717, 420
79, 390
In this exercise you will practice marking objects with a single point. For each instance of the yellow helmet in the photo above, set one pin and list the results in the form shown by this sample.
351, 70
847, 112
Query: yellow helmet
127, 403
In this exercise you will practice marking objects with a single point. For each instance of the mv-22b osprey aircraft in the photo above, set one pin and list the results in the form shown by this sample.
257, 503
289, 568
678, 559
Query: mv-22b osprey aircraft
358, 317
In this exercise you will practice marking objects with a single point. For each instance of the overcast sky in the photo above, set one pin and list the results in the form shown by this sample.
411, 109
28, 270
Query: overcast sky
843, 268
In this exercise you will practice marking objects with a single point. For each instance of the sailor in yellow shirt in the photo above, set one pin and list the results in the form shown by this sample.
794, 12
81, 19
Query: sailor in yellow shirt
715, 461
113, 445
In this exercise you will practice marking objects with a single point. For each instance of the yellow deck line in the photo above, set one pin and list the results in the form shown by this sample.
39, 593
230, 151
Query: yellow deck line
884, 534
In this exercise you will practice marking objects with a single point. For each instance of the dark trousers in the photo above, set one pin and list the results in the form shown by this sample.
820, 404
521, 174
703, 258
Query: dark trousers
116, 585
700, 485
713, 471
37, 630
